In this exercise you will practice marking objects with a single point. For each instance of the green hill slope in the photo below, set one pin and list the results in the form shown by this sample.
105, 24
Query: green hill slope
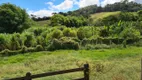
102, 15
43, 23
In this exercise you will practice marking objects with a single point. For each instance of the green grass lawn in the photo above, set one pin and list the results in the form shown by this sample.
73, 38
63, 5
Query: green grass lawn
105, 64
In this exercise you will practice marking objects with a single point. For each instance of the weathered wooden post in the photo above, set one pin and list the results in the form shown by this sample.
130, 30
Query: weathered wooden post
141, 69
28, 76
86, 71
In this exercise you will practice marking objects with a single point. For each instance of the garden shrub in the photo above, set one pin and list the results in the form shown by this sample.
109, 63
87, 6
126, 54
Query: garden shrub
15, 52
130, 33
76, 39
39, 48
93, 41
31, 49
24, 49
69, 33
48, 39
38, 31
47, 31
57, 34
2, 42
55, 45
73, 33
138, 43
30, 40
99, 40
89, 47
40, 41
16, 42
70, 45
84, 32
63, 43
106, 41
5, 52
117, 40
131, 41
61, 28
8, 52
104, 32
66, 32
85, 41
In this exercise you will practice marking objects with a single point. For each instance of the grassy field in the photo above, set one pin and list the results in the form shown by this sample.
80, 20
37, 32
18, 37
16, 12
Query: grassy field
105, 64
43, 23
102, 15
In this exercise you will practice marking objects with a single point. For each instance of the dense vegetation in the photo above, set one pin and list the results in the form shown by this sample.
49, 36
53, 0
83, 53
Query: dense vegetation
69, 32
54, 38
69, 21
13, 19
123, 6
108, 38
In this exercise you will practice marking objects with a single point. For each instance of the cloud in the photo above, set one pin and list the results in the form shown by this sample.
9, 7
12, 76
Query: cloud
41, 13
67, 4
105, 2
84, 3
139, 1
49, 3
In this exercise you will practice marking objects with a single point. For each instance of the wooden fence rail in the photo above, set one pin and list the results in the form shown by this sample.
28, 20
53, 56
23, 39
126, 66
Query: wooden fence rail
29, 76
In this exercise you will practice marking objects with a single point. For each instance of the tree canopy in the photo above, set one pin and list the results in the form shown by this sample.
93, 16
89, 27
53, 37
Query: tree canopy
13, 18
69, 21
124, 5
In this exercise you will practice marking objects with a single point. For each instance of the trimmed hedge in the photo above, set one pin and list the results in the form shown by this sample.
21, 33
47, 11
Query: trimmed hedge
23, 50
63, 43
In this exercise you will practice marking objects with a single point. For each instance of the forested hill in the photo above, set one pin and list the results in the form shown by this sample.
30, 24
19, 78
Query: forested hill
118, 6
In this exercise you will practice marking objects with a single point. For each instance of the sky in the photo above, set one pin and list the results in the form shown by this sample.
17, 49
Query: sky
42, 8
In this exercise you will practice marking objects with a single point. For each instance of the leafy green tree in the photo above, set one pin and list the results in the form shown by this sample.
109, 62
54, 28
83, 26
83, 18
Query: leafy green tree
104, 33
84, 32
123, 5
130, 33
69, 33
69, 21
57, 20
57, 34
140, 15
13, 18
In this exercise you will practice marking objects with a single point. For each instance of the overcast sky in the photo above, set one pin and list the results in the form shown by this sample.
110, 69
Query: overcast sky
47, 7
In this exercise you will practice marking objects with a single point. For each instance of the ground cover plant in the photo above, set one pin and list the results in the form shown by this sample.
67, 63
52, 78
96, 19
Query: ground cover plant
105, 64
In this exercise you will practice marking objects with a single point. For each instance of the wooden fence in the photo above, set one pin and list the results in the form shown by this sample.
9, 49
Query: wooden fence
29, 76
141, 70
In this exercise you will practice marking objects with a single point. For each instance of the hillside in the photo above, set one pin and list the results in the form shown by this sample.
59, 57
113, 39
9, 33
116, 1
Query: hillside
125, 7
102, 15
43, 22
